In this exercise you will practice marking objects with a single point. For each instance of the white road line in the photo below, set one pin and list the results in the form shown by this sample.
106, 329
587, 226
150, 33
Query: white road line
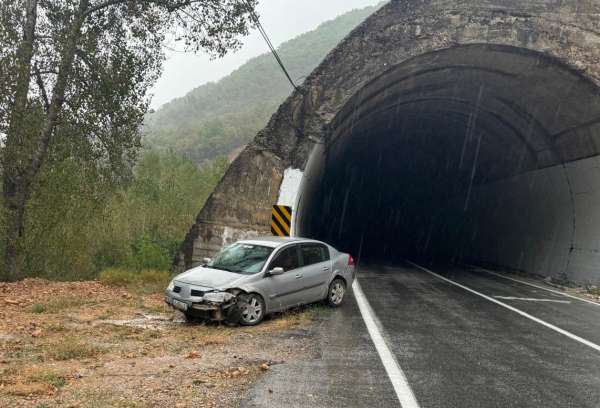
514, 309
533, 285
403, 391
532, 299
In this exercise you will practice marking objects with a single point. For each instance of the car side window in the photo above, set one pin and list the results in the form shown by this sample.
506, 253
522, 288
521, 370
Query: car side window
286, 259
314, 253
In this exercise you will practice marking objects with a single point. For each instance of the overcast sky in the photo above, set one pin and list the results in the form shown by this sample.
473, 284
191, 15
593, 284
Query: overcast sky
282, 19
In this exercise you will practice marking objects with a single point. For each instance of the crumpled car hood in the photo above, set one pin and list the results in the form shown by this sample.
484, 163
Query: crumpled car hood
207, 277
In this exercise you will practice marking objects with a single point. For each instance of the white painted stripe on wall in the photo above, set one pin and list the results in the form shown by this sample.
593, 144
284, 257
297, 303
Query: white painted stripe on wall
290, 185
289, 190
403, 391
514, 309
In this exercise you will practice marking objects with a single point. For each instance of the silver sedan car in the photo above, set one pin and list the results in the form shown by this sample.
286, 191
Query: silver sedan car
252, 278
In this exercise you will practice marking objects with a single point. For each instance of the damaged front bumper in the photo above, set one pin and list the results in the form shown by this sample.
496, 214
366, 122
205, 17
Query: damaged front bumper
210, 305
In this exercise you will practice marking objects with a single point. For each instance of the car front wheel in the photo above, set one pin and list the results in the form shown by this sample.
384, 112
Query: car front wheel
252, 308
190, 318
337, 291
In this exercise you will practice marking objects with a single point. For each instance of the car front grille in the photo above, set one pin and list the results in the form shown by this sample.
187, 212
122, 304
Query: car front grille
177, 289
195, 292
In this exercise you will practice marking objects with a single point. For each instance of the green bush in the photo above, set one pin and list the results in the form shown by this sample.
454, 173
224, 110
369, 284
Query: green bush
151, 255
82, 220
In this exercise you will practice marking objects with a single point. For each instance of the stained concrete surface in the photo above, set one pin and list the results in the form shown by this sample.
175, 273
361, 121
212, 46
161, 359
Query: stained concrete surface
456, 348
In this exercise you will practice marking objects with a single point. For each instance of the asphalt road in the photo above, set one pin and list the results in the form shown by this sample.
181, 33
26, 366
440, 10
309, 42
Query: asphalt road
456, 348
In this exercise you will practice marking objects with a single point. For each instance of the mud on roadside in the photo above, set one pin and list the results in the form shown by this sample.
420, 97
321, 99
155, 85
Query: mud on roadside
85, 344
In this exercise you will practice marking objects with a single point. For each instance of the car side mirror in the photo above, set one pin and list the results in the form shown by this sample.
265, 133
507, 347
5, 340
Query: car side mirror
276, 271
206, 261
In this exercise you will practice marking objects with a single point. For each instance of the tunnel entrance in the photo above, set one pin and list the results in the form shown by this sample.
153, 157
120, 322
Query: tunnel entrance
474, 153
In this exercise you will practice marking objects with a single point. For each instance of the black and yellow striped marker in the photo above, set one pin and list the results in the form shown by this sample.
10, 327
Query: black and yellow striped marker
281, 220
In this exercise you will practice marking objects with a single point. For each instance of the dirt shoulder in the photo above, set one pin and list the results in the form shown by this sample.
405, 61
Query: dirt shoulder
85, 344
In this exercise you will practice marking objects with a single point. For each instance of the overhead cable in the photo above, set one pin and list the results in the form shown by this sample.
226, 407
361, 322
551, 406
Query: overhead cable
270, 45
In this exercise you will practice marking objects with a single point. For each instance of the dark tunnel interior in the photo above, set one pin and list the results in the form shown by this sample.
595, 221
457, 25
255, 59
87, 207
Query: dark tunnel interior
461, 154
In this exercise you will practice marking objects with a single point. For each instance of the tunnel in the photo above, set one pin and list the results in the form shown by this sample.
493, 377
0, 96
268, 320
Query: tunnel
476, 153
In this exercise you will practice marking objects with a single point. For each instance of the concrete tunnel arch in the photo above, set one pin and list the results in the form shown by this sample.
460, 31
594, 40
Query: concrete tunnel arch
470, 153
476, 141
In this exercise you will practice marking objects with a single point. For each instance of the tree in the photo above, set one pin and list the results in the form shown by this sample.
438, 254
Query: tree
82, 69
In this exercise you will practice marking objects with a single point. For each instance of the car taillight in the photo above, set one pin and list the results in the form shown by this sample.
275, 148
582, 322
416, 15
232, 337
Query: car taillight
350, 260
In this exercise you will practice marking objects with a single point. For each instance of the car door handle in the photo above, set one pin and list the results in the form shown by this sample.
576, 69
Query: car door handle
298, 276
326, 268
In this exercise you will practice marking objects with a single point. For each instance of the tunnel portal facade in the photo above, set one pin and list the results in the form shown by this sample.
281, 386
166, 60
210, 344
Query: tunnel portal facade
441, 131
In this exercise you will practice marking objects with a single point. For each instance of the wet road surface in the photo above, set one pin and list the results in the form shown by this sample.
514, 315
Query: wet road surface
456, 348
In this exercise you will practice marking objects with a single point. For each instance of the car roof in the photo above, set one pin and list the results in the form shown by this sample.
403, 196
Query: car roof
274, 242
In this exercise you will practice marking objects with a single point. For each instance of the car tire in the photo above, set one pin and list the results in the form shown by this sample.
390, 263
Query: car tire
252, 309
336, 292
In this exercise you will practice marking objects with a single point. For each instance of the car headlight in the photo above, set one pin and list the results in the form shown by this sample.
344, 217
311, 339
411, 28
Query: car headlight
171, 286
217, 297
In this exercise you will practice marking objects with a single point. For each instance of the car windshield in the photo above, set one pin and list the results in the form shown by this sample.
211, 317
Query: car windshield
242, 258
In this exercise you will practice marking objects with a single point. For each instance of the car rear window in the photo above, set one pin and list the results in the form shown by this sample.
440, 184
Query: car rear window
314, 253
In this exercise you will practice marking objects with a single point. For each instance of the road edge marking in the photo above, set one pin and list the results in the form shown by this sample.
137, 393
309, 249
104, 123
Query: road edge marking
524, 299
558, 292
405, 395
511, 308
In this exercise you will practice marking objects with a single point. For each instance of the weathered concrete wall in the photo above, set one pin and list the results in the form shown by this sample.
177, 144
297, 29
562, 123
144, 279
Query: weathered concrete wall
544, 222
566, 30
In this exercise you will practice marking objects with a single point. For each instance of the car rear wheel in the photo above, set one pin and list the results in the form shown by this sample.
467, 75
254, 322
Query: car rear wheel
336, 293
252, 308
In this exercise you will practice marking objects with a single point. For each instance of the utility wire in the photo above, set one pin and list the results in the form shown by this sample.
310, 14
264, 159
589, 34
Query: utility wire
271, 47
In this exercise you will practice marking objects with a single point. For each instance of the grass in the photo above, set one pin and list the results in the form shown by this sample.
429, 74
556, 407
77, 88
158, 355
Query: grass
33, 380
141, 282
25, 353
37, 308
76, 332
57, 305
121, 332
52, 378
72, 350
562, 280
56, 328
41, 368
594, 291
27, 389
